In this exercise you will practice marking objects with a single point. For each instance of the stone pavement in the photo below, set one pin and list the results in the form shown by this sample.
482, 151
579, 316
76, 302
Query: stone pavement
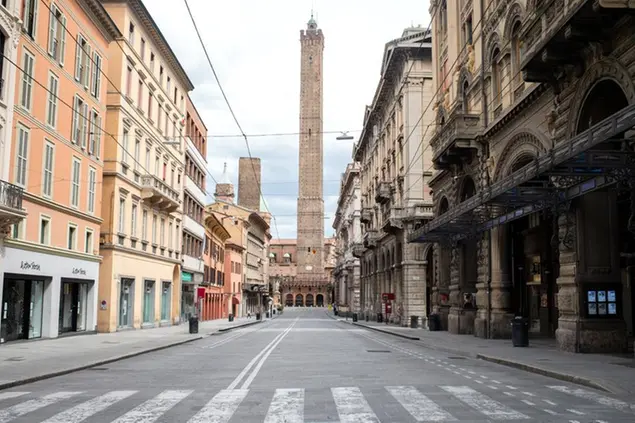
612, 373
27, 361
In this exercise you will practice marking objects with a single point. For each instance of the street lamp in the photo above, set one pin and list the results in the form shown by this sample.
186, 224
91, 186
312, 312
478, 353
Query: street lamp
344, 136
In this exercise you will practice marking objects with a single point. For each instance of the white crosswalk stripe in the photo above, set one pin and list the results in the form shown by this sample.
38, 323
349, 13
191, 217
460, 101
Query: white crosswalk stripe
151, 410
431, 404
23, 408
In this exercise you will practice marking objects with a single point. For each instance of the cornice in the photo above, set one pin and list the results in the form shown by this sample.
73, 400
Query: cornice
96, 10
121, 248
47, 249
61, 208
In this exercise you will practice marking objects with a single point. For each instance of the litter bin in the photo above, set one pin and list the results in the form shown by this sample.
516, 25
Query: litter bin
274, 311
380, 318
258, 316
231, 317
434, 322
354, 317
414, 322
367, 317
193, 324
267, 315
520, 332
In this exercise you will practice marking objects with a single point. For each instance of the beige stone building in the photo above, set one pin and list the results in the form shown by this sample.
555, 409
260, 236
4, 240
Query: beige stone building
531, 153
143, 175
395, 199
348, 227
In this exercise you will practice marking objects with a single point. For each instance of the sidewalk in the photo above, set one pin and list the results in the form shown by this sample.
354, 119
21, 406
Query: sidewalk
612, 373
29, 361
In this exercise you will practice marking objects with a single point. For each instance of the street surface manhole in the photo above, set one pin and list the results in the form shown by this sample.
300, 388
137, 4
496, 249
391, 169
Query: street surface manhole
378, 351
456, 358
98, 368
15, 359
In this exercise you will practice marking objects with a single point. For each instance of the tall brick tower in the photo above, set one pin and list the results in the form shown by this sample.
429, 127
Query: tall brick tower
310, 232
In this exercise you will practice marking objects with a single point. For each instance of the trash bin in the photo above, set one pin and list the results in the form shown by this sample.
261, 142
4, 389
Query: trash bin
354, 317
231, 317
434, 322
380, 318
267, 315
193, 324
258, 316
274, 311
414, 322
367, 317
520, 332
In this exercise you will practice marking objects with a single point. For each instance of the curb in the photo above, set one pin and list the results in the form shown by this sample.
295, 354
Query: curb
545, 372
387, 332
331, 316
15, 383
238, 326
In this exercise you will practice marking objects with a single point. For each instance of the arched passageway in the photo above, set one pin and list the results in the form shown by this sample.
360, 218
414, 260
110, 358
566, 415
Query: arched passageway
308, 300
289, 300
299, 301
319, 300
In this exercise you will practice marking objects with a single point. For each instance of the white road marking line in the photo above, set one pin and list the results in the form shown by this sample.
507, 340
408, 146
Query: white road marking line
484, 404
574, 421
483, 377
528, 402
13, 394
418, 405
255, 371
248, 367
82, 411
471, 372
509, 394
151, 410
529, 394
352, 407
511, 387
574, 411
467, 377
8, 414
550, 402
495, 381
553, 413
479, 381
287, 406
588, 395
221, 408
495, 388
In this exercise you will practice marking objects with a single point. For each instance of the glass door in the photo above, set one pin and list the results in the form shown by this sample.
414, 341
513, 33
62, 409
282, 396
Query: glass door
37, 303
148, 302
82, 301
14, 311
125, 303
165, 301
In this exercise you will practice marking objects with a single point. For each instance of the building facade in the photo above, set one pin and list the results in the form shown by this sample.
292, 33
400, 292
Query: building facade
194, 200
394, 161
234, 254
51, 261
213, 299
348, 227
531, 187
143, 177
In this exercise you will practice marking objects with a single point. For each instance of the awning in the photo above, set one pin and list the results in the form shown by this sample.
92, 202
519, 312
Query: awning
570, 169
235, 300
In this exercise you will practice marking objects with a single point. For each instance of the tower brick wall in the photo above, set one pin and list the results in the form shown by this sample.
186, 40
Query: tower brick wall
249, 176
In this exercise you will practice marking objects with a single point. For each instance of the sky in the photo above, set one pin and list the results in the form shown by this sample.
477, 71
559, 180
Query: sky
254, 46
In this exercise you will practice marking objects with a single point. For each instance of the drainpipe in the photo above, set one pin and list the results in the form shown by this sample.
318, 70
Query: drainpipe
488, 335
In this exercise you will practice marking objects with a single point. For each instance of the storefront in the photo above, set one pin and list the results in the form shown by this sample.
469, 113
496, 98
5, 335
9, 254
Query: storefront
45, 295
188, 296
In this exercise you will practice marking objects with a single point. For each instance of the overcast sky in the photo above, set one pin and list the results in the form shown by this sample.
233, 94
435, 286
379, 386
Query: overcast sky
254, 46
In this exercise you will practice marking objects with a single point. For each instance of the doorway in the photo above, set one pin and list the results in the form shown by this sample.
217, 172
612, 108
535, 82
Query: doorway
22, 304
319, 299
73, 306
126, 301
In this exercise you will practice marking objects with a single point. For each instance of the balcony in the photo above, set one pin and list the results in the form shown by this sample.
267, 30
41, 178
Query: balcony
456, 139
370, 239
11, 211
393, 220
158, 194
357, 249
195, 154
556, 32
195, 191
367, 215
383, 192
193, 227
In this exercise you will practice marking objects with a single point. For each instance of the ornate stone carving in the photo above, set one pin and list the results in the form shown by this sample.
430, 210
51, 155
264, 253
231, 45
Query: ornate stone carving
515, 13
470, 58
523, 143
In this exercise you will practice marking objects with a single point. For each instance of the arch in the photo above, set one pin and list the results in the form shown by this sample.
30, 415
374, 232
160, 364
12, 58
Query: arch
319, 300
444, 206
515, 14
605, 98
427, 250
468, 188
289, 300
299, 300
308, 300
493, 43
521, 144
604, 69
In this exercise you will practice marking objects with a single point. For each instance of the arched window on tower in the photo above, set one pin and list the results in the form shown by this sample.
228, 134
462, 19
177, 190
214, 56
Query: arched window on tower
287, 258
496, 82
517, 80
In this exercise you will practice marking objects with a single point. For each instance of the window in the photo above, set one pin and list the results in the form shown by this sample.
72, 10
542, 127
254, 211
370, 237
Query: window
154, 229
51, 112
22, 155
57, 35
152, 62
140, 95
75, 172
88, 241
133, 221
137, 153
80, 122
149, 105
94, 137
82, 61
28, 64
142, 49
95, 84
162, 233
170, 228
159, 117
29, 17
45, 230
47, 173
169, 88
72, 237
148, 154
129, 81
124, 151
122, 215
92, 183
144, 225
161, 75
131, 34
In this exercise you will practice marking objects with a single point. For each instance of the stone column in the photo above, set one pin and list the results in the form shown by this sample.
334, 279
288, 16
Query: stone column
455, 290
356, 285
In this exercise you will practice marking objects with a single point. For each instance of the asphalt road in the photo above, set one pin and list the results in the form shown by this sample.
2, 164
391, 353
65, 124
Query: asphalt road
306, 367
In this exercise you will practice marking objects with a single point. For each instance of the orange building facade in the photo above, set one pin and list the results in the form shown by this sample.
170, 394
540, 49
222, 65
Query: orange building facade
212, 297
234, 276
50, 277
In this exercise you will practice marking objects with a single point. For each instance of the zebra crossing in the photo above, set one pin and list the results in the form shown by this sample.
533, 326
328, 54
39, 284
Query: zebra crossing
290, 405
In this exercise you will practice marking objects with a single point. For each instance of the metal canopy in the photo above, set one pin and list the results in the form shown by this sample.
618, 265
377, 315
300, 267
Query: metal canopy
550, 178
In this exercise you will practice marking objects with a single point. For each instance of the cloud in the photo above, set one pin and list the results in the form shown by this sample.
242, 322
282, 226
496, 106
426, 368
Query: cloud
254, 47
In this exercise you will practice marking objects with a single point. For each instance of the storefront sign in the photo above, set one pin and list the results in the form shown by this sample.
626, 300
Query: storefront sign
26, 265
79, 271
186, 277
